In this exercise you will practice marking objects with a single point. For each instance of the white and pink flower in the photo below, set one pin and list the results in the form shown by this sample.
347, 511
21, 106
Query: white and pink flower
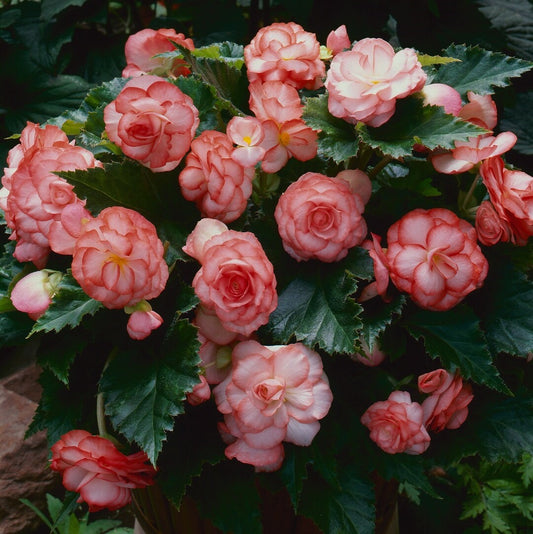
273, 394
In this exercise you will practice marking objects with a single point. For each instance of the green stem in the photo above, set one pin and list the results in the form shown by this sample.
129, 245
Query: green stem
379, 166
470, 192
100, 406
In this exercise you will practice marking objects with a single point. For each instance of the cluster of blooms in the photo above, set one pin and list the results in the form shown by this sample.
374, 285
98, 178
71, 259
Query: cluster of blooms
266, 394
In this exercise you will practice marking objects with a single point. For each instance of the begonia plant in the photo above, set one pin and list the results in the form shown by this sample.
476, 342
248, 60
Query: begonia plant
285, 267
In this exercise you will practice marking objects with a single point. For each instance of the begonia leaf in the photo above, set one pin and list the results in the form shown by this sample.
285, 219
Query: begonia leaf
507, 317
349, 509
194, 442
59, 358
221, 487
480, 70
49, 8
455, 337
143, 401
69, 306
515, 23
336, 138
317, 309
414, 123
515, 119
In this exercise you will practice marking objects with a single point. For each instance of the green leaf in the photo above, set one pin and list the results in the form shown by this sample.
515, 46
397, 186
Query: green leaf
507, 317
455, 337
515, 119
427, 60
416, 123
69, 306
221, 487
336, 138
143, 402
49, 8
479, 71
59, 357
317, 309
514, 23
348, 510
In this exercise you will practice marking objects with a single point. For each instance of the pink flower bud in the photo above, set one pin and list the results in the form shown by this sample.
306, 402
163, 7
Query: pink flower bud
141, 324
338, 40
440, 94
33, 293
200, 393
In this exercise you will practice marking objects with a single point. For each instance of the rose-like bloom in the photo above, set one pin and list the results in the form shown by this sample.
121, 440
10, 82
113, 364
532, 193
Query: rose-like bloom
247, 133
467, 154
118, 258
480, 110
364, 83
37, 197
447, 405
490, 228
511, 194
143, 53
433, 256
319, 217
381, 270
273, 394
218, 185
93, 467
277, 105
237, 281
397, 424
285, 52
33, 293
153, 122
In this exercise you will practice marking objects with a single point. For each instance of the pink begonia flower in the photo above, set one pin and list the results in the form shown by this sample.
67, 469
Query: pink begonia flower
490, 227
447, 405
467, 154
153, 122
364, 83
480, 110
119, 259
142, 322
33, 293
200, 393
367, 357
337, 41
381, 270
278, 107
440, 94
319, 217
204, 230
237, 281
37, 197
247, 133
285, 52
143, 53
433, 256
211, 327
273, 394
396, 425
511, 194
93, 467
64, 232
218, 185
359, 183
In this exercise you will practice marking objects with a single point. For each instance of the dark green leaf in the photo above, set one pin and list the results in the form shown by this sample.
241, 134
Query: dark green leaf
336, 138
318, 310
49, 8
480, 71
348, 510
455, 338
60, 357
515, 23
414, 123
222, 487
69, 306
507, 316
515, 119
143, 402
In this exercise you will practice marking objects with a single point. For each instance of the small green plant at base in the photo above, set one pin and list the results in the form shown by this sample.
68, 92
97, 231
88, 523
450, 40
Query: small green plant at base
63, 519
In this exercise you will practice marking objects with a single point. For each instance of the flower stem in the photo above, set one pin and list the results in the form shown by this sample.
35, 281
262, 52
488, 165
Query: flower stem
469, 193
379, 166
